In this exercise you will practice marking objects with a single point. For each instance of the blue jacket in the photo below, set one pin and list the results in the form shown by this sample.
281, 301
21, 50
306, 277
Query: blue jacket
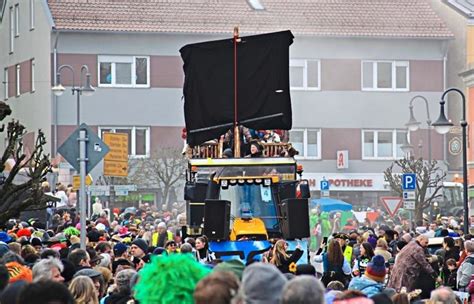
366, 286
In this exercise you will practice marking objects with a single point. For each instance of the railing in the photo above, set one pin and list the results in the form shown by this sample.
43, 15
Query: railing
213, 149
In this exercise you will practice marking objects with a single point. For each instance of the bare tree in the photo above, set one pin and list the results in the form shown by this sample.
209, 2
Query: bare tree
164, 169
428, 176
18, 194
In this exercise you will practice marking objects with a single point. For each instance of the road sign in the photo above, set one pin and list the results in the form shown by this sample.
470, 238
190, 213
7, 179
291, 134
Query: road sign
409, 181
96, 149
325, 193
99, 190
409, 195
125, 188
121, 192
324, 185
392, 204
409, 205
76, 181
116, 161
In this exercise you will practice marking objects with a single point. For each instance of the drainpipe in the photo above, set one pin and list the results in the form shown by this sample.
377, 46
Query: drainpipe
55, 98
445, 85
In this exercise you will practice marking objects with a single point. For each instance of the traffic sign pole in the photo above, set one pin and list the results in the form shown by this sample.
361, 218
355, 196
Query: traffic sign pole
82, 192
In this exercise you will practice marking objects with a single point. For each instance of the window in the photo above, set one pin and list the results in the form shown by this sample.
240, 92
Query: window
124, 71
17, 80
305, 74
17, 20
307, 142
12, 29
32, 75
385, 75
32, 14
138, 139
383, 144
5, 84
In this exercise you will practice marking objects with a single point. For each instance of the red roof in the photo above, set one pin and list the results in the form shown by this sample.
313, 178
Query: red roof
334, 18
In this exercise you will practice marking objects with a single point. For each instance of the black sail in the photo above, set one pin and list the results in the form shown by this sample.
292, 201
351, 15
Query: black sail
262, 84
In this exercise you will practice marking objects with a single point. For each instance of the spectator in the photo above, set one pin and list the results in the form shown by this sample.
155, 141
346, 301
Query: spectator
96, 277
169, 279
303, 290
4, 277
48, 269
409, 264
282, 260
261, 283
161, 235
122, 293
366, 255
203, 254
382, 249
218, 287
335, 266
80, 259
373, 279
466, 269
443, 295
45, 292
83, 290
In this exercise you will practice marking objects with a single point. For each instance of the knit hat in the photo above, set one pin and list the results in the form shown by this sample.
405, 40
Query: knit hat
122, 279
36, 241
262, 283
24, 232
119, 249
372, 240
140, 243
306, 269
376, 269
234, 266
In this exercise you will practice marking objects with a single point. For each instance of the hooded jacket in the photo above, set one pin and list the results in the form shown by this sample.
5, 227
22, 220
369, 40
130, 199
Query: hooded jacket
365, 285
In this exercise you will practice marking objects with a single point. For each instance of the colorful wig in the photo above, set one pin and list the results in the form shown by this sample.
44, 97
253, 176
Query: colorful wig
169, 279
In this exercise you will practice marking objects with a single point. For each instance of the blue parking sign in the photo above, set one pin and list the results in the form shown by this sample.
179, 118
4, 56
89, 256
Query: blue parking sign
324, 185
409, 181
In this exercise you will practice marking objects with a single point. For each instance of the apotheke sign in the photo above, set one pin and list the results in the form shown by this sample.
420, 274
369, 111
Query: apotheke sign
348, 182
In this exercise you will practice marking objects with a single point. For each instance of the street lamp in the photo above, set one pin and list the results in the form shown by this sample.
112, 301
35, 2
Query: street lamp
87, 90
407, 148
414, 125
442, 126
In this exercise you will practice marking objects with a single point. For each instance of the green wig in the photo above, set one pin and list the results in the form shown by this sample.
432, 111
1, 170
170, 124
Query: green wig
169, 279
71, 231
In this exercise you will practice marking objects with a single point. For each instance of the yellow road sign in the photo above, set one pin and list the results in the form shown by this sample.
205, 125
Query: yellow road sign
76, 181
116, 161
115, 168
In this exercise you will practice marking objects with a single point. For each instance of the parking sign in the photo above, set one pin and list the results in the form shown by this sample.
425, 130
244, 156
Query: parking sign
324, 185
409, 181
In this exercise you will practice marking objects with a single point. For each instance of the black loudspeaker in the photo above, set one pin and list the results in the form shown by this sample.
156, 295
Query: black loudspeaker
287, 190
195, 191
217, 219
295, 219
195, 212
304, 189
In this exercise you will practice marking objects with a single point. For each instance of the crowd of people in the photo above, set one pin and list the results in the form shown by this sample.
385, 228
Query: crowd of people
139, 255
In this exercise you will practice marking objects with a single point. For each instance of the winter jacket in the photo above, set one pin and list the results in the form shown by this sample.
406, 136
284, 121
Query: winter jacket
366, 286
465, 271
410, 263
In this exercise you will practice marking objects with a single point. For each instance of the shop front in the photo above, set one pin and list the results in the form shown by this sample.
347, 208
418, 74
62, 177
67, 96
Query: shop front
362, 190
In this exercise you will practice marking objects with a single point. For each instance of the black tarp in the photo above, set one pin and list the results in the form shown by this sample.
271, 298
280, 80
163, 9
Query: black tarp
262, 84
